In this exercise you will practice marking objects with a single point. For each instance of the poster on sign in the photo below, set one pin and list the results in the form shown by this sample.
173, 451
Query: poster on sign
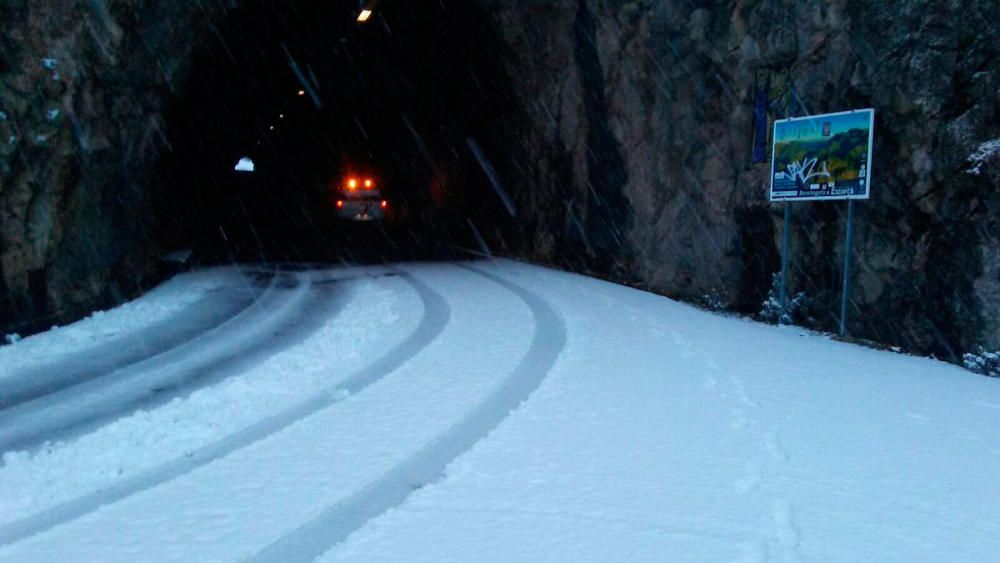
822, 156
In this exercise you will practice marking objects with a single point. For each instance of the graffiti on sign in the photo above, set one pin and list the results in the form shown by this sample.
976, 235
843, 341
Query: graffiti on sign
822, 157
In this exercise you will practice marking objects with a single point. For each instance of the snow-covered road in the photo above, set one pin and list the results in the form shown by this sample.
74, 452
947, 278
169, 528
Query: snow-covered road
479, 411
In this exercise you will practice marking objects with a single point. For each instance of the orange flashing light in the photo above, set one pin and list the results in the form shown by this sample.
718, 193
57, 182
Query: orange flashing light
369, 183
352, 184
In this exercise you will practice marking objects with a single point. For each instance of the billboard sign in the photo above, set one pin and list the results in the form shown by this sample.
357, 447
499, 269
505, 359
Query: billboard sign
822, 156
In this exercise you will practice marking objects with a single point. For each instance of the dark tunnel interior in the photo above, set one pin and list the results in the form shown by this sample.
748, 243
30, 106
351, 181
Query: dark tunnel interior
416, 98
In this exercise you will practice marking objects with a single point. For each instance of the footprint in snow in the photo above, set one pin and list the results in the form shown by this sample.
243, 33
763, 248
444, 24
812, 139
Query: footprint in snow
739, 420
773, 447
752, 476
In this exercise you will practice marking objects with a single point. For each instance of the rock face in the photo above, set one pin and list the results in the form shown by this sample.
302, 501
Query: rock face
639, 142
81, 87
632, 157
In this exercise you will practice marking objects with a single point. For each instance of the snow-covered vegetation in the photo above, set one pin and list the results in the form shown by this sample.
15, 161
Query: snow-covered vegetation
983, 361
775, 312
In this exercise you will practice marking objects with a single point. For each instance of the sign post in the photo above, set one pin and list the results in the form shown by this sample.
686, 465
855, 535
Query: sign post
823, 157
847, 268
786, 244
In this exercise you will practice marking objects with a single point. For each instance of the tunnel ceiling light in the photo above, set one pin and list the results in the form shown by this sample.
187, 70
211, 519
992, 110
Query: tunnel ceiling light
281, 116
302, 92
245, 164
364, 15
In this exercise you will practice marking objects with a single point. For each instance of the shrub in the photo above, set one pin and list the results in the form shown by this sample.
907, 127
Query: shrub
774, 312
986, 363
713, 301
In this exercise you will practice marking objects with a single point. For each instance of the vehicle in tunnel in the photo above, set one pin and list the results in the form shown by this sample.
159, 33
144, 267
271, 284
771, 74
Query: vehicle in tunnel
359, 198
472, 279
318, 98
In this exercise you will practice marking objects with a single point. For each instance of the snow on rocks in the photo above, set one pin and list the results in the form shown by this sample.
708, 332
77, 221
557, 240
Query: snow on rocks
982, 154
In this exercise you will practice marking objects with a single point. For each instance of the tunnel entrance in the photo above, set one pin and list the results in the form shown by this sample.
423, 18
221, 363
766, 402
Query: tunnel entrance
415, 97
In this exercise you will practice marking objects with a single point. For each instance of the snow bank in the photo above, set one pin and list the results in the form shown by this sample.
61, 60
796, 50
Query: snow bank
31, 483
158, 304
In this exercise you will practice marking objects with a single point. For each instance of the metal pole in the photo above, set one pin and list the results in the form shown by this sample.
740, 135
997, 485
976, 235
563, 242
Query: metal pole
785, 250
786, 241
845, 293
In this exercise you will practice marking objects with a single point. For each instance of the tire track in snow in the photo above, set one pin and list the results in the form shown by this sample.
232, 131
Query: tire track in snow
436, 316
183, 326
80, 408
334, 524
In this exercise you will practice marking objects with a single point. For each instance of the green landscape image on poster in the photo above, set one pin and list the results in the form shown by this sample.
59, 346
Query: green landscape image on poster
822, 157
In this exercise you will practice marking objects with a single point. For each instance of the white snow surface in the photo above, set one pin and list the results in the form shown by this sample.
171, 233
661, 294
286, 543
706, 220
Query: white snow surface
32, 482
101, 326
660, 433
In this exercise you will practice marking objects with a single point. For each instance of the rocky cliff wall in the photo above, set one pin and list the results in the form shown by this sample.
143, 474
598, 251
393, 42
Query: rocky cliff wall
632, 158
82, 84
637, 161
